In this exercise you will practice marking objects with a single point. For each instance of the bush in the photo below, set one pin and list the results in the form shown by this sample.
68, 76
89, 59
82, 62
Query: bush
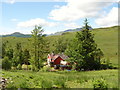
32, 63
105, 64
100, 84
45, 68
19, 67
29, 67
6, 64
24, 67
13, 68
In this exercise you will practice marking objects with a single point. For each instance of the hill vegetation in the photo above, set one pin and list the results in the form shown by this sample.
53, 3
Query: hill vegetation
106, 39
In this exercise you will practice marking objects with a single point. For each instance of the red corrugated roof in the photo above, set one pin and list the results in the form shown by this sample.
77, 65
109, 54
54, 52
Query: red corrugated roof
55, 56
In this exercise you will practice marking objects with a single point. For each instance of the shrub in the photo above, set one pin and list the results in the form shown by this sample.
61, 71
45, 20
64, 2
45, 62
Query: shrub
45, 68
6, 64
105, 64
19, 67
32, 63
24, 67
29, 67
100, 84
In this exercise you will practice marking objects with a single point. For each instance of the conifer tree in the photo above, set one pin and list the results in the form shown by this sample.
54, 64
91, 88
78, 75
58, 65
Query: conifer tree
17, 55
9, 53
84, 51
6, 64
39, 45
4, 47
26, 56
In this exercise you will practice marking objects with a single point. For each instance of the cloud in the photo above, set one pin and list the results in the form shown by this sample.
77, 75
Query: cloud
75, 10
110, 19
37, 21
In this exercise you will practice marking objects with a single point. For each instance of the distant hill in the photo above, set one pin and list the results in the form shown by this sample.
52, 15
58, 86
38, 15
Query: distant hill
69, 30
16, 34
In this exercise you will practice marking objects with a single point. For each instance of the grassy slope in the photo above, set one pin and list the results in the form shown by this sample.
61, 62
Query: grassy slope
106, 39
61, 79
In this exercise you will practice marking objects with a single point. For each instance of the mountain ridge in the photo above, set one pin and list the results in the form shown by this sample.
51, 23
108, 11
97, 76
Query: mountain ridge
18, 34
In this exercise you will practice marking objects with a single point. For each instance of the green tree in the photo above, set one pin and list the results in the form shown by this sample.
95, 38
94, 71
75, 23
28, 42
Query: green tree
19, 67
9, 53
43, 48
39, 45
4, 47
17, 55
60, 45
83, 50
3, 50
6, 64
26, 56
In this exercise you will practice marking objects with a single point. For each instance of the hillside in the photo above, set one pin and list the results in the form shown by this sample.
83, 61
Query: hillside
106, 39
16, 34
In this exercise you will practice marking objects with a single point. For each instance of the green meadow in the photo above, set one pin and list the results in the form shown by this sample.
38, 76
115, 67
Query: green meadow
62, 79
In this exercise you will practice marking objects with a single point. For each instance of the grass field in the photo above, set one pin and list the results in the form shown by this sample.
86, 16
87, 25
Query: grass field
61, 79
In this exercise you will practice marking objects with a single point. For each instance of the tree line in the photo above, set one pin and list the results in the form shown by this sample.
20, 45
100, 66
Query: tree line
17, 56
82, 51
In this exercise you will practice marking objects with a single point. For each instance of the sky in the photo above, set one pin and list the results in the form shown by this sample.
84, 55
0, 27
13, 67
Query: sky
56, 15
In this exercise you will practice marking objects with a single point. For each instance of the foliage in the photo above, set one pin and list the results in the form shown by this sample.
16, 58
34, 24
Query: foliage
29, 67
26, 56
100, 84
83, 50
105, 64
6, 64
26, 67
32, 62
106, 39
46, 69
4, 46
15, 61
60, 45
39, 45
17, 55
9, 53
19, 67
